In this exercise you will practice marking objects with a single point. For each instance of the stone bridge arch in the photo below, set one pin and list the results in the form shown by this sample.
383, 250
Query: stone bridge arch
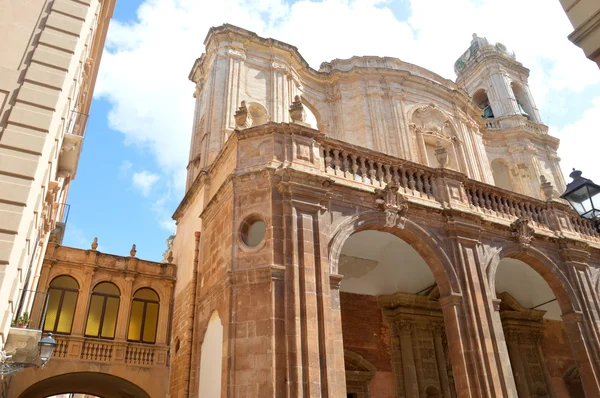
92, 383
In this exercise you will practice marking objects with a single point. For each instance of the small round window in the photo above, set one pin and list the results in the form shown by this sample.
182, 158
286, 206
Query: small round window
253, 232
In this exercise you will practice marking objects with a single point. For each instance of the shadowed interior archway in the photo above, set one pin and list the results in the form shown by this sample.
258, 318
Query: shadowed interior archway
93, 383
545, 267
420, 240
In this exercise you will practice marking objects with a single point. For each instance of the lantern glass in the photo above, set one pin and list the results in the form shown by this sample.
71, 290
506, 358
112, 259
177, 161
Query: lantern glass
583, 195
585, 200
47, 345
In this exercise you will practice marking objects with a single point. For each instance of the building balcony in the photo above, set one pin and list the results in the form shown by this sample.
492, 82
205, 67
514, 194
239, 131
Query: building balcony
70, 150
113, 352
514, 122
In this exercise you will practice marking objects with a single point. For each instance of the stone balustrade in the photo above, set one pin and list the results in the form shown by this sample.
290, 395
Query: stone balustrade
515, 122
108, 351
368, 169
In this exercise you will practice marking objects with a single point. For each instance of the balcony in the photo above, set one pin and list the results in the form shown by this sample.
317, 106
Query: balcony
84, 349
515, 122
26, 327
70, 150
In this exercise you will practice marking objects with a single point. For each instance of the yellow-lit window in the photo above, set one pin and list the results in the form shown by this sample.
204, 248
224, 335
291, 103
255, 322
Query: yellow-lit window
144, 316
62, 299
102, 314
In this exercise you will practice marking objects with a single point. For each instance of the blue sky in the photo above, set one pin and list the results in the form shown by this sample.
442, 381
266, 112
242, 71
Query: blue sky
131, 172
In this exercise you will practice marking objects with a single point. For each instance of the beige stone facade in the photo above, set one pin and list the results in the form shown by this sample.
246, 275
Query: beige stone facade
111, 359
585, 18
370, 254
49, 60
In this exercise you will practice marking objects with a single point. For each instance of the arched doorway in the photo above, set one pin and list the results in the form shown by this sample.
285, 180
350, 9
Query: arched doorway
535, 335
391, 318
90, 383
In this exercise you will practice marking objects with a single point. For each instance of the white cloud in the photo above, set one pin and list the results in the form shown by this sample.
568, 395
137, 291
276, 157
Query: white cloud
579, 142
144, 71
144, 181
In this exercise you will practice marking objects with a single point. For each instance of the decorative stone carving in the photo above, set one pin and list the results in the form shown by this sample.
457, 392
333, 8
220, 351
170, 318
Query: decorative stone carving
133, 251
297, 113
441, 154
95, 244
243, 119
547, 188
405, 327
522, 232
393, 204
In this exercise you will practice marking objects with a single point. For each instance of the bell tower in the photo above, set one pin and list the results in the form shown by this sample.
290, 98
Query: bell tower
521, 153
495, 80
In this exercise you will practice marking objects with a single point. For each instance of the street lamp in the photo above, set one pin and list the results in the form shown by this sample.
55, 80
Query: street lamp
46, 348
584, 196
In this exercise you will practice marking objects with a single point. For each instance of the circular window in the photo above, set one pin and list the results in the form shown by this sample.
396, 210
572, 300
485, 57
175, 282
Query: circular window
253, 232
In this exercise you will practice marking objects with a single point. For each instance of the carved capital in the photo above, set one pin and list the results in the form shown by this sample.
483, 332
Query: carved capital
393, 204
437, 329
522, 232
405, 327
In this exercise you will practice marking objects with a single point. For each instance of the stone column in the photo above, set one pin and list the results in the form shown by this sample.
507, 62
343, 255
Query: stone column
83, 300
583, 328
512, 341
481, 365
312, 318
124, 309
438, 331
409, 370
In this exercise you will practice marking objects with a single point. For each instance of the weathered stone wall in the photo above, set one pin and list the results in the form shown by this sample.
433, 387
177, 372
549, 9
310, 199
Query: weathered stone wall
366, 334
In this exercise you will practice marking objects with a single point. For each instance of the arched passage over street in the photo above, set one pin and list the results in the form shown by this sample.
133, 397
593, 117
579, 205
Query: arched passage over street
92, 383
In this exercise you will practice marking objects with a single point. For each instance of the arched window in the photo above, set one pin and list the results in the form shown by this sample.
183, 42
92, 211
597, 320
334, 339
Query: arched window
481, 100
523, 103
102, 315
63, 292
144, 316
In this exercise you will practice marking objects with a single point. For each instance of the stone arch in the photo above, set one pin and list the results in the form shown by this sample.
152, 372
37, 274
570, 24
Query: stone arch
428, 247
93, 383
315, 112
211, 357
544, 266
359, 373
522, 99
432, 127
56, 272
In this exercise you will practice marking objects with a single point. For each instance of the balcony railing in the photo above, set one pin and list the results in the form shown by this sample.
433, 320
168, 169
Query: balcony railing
76, 348
77, 122
515, 122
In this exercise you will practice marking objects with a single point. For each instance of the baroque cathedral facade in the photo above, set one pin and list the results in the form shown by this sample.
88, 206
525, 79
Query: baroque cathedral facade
367, 229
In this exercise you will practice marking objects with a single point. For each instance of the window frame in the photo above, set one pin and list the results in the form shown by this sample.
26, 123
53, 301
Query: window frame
143, 323
105, 297
62, 290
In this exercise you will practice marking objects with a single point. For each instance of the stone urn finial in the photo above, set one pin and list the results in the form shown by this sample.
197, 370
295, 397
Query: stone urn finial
297, 113
133, 251
441, 154
243, 118
95, 244
170, 257
547, 188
